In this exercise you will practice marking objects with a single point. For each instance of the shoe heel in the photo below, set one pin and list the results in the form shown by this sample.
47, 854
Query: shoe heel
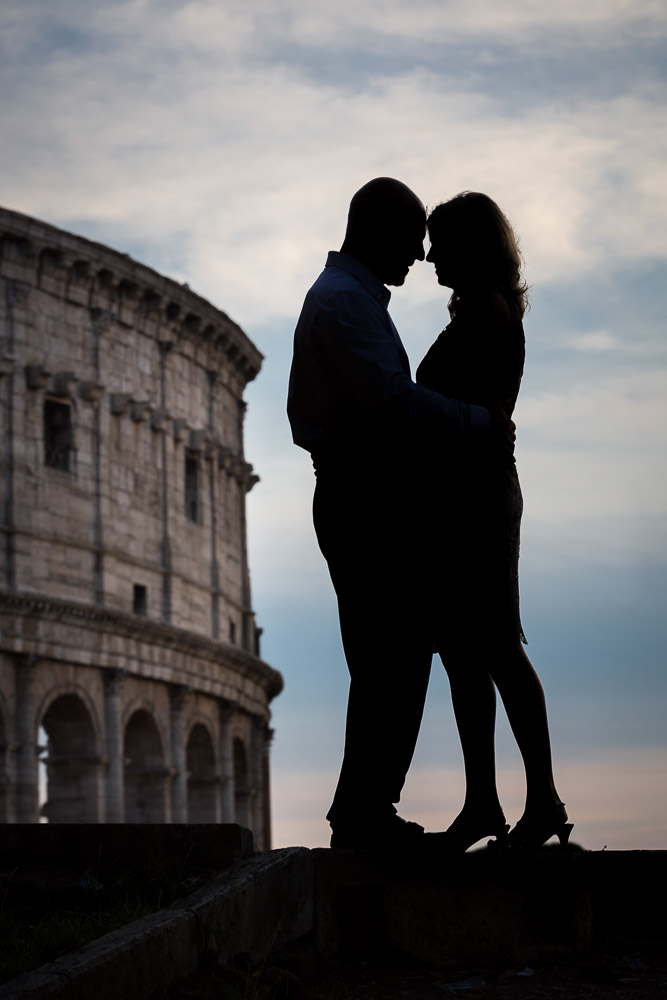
564, 833
501, 839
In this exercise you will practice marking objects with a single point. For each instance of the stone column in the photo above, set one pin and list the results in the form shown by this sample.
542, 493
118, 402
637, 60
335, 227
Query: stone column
8, 389
266, 774
213, 503
165, 347
99, 321
178, 697
113, 722
8, 752
246, 480
27, 797
227, 806
257, 780
219, 782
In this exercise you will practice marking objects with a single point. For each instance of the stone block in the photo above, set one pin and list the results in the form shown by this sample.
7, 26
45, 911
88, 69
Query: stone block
101, 846
628, 896
265, 903
475, 908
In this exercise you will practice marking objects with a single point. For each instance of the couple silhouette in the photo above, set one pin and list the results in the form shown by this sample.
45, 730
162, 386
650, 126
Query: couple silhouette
417, 511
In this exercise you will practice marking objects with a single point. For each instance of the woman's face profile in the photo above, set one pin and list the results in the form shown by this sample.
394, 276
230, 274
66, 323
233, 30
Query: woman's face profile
446, 256
461, 258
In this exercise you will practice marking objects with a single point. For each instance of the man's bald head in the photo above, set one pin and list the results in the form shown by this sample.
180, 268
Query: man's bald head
378, 201
385, 229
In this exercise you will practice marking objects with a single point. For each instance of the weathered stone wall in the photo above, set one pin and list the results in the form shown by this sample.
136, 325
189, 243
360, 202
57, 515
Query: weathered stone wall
122, 490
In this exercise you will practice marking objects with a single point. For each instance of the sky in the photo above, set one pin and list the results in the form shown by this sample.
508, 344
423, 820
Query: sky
220, 143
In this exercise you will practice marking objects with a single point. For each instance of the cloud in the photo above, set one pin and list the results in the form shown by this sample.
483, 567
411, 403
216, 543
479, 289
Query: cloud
593, 340
591, 459
597, 450
233, 174
220, 143
281, 537
378, 23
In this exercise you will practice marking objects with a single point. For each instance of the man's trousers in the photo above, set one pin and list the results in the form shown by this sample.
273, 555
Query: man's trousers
367, 532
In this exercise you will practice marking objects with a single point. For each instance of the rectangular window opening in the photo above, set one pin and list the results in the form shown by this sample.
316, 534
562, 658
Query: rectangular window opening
192, 488
232, 632
58, 436
140, 599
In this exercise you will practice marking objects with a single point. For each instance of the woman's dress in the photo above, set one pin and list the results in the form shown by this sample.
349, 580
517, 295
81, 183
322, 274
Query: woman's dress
472, 527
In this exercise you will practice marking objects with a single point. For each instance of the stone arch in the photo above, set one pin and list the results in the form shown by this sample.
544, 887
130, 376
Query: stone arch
145, 770
72, 760
202, 776
71, 688
241, 784
141, 703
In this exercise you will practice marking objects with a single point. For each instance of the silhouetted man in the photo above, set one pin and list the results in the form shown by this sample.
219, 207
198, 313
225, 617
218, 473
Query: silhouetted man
354, 407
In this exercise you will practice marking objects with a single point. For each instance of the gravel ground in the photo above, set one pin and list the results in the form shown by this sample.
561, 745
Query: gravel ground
605, 977
639, 975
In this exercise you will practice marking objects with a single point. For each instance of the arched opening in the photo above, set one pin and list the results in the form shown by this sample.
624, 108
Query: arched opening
42, 779
71, 763
202, 778
241, 784
145, 771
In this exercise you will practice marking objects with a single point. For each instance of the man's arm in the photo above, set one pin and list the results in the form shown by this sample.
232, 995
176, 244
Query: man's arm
353, 333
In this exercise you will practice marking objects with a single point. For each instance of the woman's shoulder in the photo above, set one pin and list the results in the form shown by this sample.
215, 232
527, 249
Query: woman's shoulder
485, 302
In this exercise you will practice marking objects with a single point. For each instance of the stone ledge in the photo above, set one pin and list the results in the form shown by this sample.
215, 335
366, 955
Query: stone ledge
489, 908
266, 902
77, 279
101, 845
139, 635
479, 908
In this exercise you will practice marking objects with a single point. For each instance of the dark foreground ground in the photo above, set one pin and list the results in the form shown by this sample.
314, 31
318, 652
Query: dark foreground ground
295, 924
639, 974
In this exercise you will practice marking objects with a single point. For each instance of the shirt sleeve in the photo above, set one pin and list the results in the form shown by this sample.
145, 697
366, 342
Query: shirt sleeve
353, 332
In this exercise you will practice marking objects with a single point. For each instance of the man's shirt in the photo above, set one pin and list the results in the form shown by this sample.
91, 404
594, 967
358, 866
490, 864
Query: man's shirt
350, 369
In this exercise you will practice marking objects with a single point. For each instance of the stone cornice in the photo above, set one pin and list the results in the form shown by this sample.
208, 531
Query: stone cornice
143, 631
95, 275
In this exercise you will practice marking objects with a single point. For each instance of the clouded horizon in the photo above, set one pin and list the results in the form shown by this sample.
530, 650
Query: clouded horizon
220, 142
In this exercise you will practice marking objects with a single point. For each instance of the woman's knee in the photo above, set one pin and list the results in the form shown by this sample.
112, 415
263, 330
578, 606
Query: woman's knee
511, 664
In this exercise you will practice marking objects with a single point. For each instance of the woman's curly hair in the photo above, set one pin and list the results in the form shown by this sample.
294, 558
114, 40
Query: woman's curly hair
472, 217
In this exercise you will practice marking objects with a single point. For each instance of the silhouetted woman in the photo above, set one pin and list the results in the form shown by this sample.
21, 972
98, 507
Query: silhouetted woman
474, 521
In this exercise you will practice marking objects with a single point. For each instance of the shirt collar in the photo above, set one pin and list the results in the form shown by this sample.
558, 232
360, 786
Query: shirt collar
346, 262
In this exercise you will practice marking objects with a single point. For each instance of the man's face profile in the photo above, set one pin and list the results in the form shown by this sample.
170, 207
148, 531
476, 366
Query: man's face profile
399, 245
386, 228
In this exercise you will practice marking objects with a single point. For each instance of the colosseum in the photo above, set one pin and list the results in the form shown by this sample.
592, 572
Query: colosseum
131, 684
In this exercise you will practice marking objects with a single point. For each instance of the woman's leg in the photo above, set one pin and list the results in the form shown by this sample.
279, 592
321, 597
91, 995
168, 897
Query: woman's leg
474, 703
523, 698
544, 815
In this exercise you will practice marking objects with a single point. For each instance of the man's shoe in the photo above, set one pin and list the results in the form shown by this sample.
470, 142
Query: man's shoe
390, 835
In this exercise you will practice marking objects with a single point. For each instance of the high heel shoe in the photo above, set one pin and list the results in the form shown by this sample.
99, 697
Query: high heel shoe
530, 834
467, 830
